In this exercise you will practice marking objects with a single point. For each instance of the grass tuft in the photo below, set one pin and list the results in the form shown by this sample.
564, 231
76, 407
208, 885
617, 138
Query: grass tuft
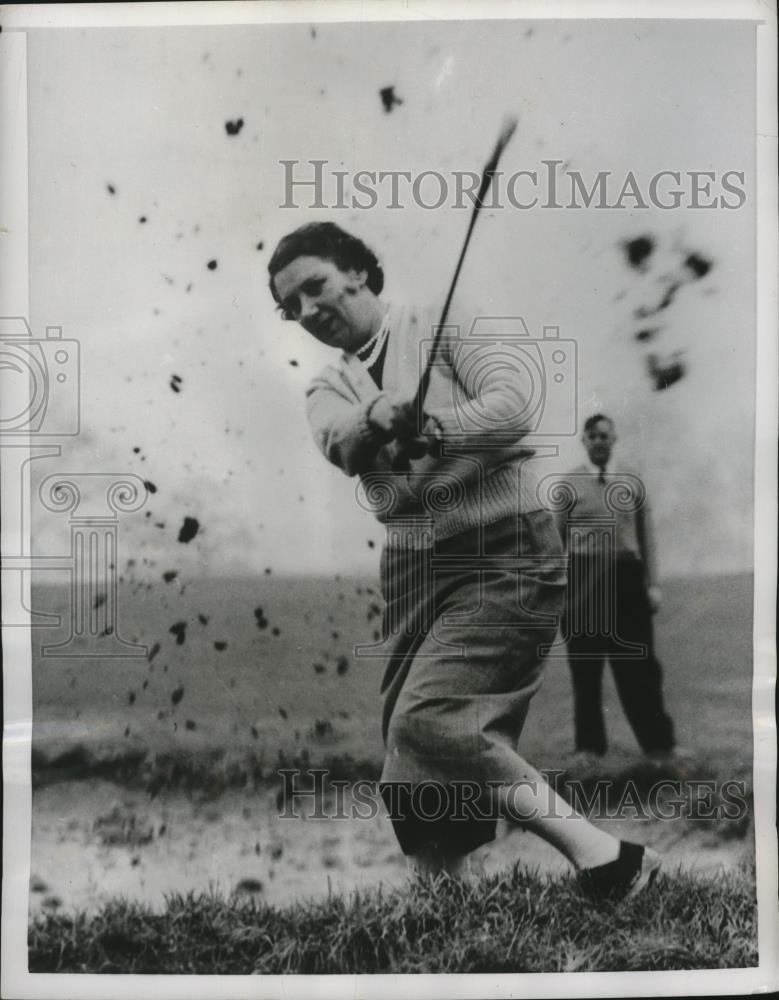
517, 922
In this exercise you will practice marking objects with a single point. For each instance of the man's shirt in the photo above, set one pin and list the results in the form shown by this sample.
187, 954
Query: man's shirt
607, 502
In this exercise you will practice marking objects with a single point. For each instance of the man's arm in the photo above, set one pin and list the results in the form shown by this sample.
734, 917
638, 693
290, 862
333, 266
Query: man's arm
648, 550
561, 520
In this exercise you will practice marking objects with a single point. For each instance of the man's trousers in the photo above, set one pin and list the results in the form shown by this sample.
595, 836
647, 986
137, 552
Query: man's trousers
611, 619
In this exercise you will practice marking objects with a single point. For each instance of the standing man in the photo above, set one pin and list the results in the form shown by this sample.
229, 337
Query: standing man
463, 642
612, 595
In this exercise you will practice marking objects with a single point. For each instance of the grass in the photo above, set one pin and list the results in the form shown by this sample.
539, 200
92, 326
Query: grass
519, 922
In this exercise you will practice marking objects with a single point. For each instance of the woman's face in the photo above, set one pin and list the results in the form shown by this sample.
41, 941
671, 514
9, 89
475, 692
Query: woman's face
332, 305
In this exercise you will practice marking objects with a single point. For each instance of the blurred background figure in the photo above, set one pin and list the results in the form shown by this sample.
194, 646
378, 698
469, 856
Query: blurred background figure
612, 596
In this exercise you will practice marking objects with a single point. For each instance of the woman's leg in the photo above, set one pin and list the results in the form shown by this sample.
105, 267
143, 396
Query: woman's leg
457, 695
533, 803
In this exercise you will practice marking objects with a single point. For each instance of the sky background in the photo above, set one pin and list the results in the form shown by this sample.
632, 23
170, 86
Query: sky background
144, 110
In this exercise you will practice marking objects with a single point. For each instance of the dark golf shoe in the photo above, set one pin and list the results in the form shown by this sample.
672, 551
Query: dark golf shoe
634, 870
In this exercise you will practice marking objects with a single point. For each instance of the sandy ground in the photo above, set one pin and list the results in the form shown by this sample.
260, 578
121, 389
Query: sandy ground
94, 840
120, 843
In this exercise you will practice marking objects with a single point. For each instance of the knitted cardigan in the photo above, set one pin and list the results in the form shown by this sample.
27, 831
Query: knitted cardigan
481, 475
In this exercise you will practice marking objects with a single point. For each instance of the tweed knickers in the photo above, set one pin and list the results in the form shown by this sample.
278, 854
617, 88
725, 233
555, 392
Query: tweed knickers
466, 622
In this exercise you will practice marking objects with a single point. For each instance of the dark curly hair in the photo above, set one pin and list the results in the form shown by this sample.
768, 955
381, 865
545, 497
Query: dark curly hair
330, 242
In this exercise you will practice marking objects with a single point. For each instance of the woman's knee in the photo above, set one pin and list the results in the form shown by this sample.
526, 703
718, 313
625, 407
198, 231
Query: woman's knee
429, 730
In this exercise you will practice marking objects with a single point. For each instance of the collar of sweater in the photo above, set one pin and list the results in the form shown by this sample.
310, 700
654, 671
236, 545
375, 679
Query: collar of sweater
402, 360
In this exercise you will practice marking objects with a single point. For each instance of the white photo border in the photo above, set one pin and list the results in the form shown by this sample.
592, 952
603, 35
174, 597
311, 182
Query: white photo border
16, 980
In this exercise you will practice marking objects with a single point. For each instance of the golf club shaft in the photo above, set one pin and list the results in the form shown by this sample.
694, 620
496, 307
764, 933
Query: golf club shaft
489, 171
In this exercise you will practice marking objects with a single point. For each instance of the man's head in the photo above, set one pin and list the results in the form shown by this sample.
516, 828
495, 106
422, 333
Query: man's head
598, 438
329, 282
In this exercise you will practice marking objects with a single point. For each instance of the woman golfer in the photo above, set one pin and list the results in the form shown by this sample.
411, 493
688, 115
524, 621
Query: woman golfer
471, 571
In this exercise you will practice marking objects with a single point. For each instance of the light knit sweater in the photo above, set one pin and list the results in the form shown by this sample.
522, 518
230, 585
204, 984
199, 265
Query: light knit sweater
621, 500
480, 403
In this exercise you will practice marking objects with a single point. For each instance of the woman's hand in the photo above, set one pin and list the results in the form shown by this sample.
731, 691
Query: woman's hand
404, 419
390, 418
398, 420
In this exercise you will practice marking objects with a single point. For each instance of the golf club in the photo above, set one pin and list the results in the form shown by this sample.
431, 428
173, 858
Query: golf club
506, 132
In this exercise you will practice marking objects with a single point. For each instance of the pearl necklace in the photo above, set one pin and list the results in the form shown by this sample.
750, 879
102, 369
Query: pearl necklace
375, 344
